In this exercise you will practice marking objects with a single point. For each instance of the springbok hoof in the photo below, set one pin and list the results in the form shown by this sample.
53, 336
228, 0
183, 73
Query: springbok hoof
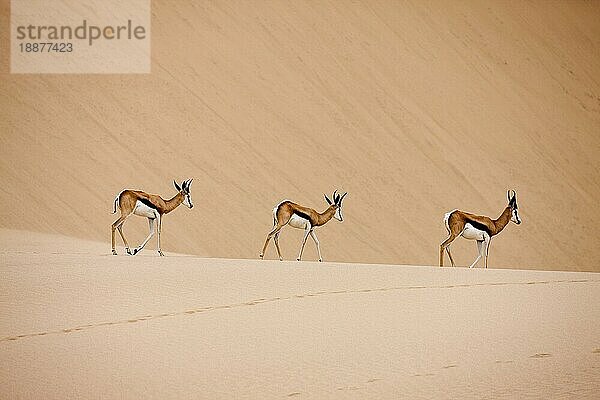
128, 251
160, 253
297, 259
134, 252
280, 258
261, 256
114, 252
320, 260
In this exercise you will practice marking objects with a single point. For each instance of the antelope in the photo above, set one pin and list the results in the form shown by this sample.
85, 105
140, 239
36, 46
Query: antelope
297, 216
478, 228
150, 206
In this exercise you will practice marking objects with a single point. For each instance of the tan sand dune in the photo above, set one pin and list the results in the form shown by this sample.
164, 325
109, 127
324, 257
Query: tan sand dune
78, 323
415, 108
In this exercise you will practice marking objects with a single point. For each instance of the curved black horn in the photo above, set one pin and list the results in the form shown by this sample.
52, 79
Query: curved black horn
176, 185
327, 199
511, 194
342, 198
336, 197
512, 198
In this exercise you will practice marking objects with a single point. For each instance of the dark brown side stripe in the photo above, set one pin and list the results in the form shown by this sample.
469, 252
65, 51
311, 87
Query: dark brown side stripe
302, 215
478, 225
147, 202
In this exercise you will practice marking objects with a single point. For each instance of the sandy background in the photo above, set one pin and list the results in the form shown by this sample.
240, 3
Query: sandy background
414, 108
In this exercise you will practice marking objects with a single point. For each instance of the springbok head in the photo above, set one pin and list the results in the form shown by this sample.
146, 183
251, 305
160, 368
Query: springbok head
512, 203
185, 190
337, 203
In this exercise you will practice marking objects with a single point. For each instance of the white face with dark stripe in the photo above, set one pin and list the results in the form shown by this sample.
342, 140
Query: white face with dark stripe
338, 214
515, 216
512, 203
188, 200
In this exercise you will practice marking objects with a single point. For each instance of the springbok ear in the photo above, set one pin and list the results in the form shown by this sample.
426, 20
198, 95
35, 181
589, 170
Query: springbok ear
327, 199
176, 186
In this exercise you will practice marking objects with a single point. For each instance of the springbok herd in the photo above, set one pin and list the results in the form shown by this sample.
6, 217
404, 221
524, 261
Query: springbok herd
458, 223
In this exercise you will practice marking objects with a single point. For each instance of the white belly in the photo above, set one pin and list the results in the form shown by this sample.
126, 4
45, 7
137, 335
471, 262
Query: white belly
298, 222
143, 210
472, 233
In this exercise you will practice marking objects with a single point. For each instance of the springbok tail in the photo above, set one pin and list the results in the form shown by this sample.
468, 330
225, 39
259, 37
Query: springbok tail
275, 221
275, 217
115, 204
446, 218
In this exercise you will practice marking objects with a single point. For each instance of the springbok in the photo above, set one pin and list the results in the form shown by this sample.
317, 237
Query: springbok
150, 206
297, 216
479, 228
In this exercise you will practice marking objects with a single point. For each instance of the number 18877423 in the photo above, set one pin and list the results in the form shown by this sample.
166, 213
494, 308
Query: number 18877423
46, 47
